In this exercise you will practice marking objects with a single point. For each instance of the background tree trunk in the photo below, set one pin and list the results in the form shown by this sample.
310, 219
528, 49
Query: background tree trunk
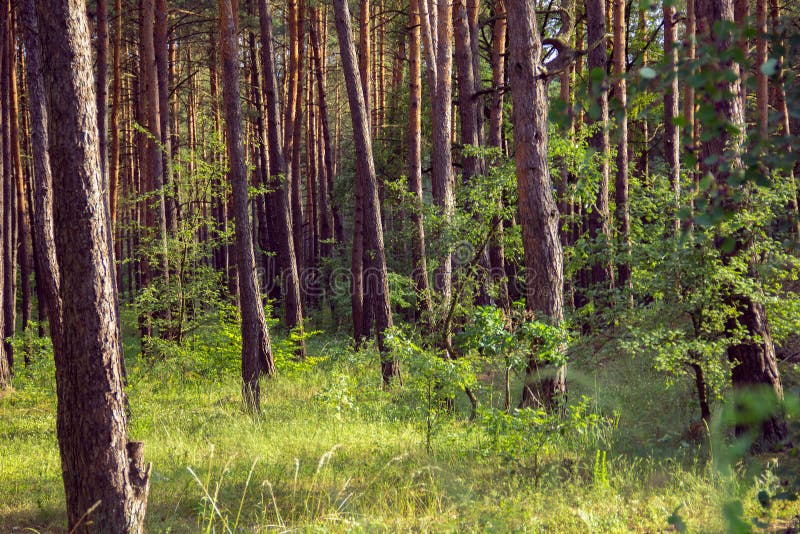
376, 279
257, 360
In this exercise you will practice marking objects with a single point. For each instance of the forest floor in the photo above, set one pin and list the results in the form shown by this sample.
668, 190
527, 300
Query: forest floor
333, 451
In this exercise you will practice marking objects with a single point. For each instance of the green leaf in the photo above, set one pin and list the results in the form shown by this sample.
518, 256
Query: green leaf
647, 73
770, 67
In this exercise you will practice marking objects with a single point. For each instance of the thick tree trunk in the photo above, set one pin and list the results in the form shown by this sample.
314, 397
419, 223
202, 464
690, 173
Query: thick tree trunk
105, 481
376, 280
257, 359
537, 209
754, 361
278, 199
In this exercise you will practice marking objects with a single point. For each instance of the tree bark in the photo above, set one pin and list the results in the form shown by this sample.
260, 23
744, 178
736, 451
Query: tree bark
672, 112
278, 198
105, 480
114, 163
5, 361
621, 182
424, 306
754, 360
599, 223
376, 279
257, 360
42, 178
538, 213
496, 249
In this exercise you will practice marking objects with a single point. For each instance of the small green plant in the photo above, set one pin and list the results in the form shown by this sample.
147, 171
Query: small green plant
433, 380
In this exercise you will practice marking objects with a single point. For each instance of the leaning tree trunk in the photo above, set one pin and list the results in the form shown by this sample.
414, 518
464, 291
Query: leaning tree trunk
538, 213
105, 481
257, 358
754, 361
377, 279
42, 177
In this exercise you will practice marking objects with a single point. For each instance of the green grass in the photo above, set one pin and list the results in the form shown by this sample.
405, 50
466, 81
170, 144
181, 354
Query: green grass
332, 451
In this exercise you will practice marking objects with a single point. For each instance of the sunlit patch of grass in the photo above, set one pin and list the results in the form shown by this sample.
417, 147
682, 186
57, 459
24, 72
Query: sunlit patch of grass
333, 451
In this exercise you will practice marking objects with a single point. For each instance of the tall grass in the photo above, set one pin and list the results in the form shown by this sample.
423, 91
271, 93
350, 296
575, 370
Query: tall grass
333, 451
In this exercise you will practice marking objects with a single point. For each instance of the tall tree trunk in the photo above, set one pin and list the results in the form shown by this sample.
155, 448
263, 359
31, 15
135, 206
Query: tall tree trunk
154, 167
424, 306
690, 144
537, 209
161, 48
377, 280
102, 86
754, 361
114, 163
42, 178
644, 156
599, 223
105, 481
785, 125
437, 35
671, 112
5, 359
278, 199
621, 183
328, 210
496, 249
10, 218
257, 357
23, 221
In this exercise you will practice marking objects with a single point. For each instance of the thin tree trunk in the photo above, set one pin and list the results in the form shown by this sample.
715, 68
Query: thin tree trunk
257, 360
424, 307
5, 358
102, 85
671, 113
42, 177
278, 199
621, 183
377, 280
496, 248
785, 125
116, 89
599, 223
